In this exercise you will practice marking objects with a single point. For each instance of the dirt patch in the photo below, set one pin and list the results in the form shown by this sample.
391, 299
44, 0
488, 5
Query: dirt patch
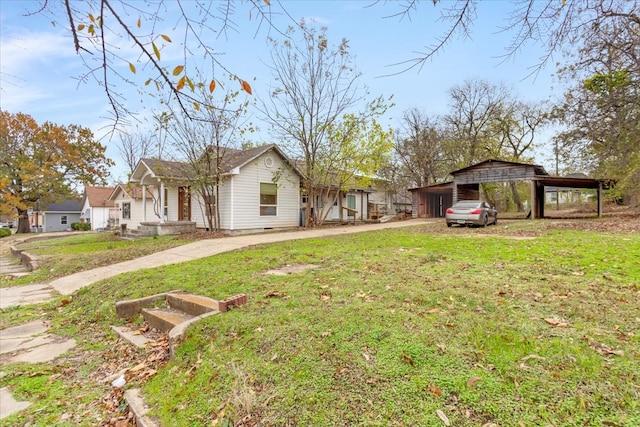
290, 269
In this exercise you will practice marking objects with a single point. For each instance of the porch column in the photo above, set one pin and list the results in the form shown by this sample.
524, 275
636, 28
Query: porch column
144, 203
162, 201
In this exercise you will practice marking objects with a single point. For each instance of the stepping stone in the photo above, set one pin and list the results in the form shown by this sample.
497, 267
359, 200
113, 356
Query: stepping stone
22, 295
8, 405
45, 352
30, 343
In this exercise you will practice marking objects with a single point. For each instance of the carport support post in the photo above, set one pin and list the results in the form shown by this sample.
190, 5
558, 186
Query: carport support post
600, 198
534, 200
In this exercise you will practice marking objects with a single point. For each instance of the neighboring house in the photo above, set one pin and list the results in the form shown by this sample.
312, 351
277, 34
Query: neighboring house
128, 202
259, 190
567, 195
60, 216
97, 208
335, 204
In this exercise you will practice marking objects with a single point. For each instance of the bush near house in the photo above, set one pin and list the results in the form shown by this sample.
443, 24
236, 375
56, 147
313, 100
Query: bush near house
4, 232
80, 226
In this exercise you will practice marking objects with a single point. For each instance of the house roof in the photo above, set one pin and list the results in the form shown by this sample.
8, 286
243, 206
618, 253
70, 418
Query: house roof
72, 205
232, 159
98, 196
538, 170
131, 189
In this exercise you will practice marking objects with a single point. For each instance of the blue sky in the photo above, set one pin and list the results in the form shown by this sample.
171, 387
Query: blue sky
39, 67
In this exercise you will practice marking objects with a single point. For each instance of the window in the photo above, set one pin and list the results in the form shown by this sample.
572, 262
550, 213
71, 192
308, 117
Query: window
126, 211
166, 203
63, 219
268, 199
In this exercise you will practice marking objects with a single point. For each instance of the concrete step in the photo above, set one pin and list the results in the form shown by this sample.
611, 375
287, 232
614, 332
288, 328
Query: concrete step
194, 305
164, 319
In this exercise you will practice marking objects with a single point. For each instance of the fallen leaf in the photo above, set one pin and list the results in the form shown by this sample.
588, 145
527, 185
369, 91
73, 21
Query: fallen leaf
443, 417
472, 381
274, 294
407, 359
433, 390
366, 356
556, 322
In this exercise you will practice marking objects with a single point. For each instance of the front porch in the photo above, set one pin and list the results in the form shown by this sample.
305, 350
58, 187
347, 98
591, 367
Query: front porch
156, 228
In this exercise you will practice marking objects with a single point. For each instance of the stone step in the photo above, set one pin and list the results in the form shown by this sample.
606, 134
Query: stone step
164, 319
192, 304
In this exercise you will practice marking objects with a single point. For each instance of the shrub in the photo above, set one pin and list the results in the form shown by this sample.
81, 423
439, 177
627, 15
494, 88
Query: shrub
81, 226
4, 232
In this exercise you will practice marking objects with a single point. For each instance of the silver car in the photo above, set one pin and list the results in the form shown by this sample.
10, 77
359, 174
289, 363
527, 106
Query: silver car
471, 212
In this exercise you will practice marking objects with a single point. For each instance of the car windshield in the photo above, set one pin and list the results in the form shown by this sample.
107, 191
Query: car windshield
467, 205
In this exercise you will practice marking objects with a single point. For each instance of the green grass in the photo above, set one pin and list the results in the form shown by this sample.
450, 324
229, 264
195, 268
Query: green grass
389, 328
58, 257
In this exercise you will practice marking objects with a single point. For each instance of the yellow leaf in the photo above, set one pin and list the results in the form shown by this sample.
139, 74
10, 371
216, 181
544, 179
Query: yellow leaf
166, 38
156, 51
91, 30
178, 70
191, 85
139, 23
267, 2
146, 83
132, 68
245, 86
80, 27
196, 106
91, 18
212, 86
180, 83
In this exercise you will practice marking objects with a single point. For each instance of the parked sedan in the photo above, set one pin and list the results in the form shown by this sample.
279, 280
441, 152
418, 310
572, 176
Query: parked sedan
471, 212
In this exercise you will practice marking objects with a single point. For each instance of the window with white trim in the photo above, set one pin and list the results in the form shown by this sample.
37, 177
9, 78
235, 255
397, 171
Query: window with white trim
63, 219
126, 211
268, 199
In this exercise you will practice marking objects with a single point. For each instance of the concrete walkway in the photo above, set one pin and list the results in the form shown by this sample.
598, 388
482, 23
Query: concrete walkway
205, 248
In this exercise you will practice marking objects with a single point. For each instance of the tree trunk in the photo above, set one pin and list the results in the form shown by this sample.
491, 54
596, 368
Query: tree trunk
516, 196
23, 222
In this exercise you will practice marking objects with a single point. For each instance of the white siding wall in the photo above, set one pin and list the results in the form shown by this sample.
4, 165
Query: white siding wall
245, 189
99, 217
136, 211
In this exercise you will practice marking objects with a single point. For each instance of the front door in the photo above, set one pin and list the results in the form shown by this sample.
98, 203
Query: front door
184, 204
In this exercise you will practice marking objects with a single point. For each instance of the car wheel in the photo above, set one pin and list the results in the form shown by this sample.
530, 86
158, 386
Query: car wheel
449, 224
495, 220
484, 221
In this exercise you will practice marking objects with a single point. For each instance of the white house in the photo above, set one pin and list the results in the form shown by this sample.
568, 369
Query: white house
97, 208
127, 200
259, 190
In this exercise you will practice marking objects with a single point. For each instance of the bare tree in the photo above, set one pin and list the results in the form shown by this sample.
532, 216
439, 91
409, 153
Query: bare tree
475, 105
556, 25
133, 147
420, 148
314, 86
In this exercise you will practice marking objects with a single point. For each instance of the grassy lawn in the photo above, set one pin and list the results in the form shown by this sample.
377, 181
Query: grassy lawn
531, 324
62, 256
